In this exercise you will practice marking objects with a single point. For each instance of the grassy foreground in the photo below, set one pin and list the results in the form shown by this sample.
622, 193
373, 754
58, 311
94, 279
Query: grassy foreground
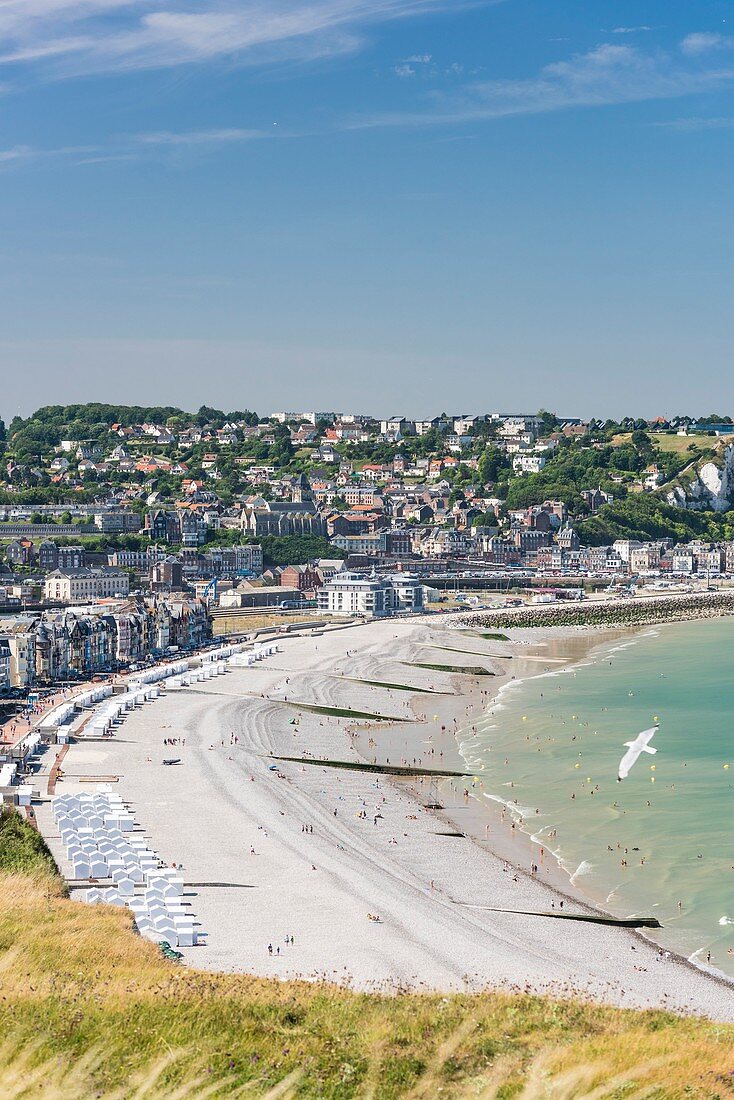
88, 1009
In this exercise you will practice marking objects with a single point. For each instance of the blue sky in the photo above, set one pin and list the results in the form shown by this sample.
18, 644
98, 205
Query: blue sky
380, 205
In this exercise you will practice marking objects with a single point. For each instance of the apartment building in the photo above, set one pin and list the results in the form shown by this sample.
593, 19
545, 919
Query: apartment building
5, 661
233, 560
122, 522
528, 463
19, 636
74, 586
370, 596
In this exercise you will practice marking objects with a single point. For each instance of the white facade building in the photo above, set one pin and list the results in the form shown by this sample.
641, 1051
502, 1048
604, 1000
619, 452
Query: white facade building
396, 427
18, 639
528, 463
370, 596
84, 585
624, 548
464, 424
309, 417
5, 660
409, 591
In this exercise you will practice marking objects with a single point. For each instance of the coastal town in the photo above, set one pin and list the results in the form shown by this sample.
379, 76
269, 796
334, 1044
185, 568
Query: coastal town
295, 619
130, 533
366, 550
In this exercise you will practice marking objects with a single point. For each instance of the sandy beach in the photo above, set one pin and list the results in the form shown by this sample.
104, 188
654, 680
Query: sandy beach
307, 852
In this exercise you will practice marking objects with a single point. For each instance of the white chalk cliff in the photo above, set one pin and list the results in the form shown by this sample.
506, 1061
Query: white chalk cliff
710, 485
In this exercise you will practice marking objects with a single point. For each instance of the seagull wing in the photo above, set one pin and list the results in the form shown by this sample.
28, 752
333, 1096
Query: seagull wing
635, 748
646, 737
628, 760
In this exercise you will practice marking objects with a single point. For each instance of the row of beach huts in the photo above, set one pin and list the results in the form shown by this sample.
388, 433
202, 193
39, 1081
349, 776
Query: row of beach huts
102, 843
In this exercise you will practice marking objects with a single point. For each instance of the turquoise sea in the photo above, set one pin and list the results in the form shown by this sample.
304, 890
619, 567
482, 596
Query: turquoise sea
561, 734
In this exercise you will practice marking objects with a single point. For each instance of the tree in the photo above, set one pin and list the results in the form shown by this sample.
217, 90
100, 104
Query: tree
548, 422
484, 519
646, 516
641, 440
492, 464
244, 417
208, 415
282, 449
296, 549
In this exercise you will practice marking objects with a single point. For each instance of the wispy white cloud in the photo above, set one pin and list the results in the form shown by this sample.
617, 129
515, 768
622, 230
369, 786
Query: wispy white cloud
16, 154
68, 37
630, 30
609, 74
425, 65
133, 147
693, 124
19, 155
705, 42
44, 51
197, 137
107, 158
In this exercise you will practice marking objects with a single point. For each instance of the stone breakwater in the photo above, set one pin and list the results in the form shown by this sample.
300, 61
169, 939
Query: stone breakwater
640, 611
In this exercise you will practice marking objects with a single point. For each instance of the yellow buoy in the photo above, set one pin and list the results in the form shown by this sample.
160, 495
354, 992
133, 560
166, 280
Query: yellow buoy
652, 767
652, 778
524, 717
577, 765
655, 718
726, 766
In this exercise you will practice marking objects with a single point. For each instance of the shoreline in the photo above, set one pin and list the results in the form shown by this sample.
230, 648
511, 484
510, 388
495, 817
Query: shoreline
481, 818
491, 807
224, 802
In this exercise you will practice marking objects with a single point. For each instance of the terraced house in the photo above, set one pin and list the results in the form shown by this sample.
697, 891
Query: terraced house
77, 642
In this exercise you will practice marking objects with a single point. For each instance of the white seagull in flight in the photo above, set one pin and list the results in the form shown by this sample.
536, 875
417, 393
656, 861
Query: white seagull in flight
640, 744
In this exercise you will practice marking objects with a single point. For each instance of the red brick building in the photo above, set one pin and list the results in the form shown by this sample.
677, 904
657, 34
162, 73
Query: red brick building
305, 578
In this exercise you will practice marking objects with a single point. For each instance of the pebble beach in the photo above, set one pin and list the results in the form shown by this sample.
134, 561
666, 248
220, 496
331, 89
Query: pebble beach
296, 869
